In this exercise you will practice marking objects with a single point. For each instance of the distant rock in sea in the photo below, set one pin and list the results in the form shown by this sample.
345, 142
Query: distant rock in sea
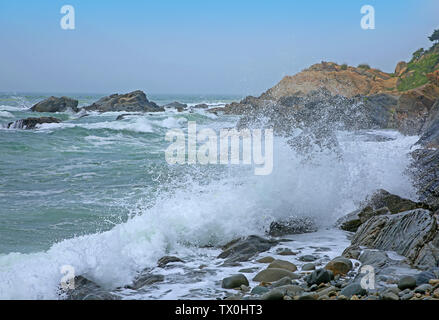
54, 104
31, 123
135, 101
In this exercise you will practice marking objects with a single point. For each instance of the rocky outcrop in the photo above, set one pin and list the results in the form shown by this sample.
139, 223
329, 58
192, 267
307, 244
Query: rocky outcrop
180, 107
135, 101
348, 81
54, 104
31, 123
425, 171
412, 234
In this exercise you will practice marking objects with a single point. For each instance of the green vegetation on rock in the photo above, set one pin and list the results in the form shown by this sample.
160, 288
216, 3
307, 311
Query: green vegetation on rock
417, 70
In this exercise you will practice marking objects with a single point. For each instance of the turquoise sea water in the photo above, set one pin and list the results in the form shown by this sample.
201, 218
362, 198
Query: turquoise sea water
84, 175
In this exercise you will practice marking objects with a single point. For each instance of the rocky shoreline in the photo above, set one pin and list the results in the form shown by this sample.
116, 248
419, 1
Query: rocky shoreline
394, 238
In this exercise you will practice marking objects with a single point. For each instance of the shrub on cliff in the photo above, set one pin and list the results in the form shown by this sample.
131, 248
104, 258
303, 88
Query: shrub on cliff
364, 66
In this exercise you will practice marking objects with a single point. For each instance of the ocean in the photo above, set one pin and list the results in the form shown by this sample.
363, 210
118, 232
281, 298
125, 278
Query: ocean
96, 193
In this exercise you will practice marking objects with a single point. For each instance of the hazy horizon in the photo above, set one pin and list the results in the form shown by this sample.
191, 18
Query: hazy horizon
198, 47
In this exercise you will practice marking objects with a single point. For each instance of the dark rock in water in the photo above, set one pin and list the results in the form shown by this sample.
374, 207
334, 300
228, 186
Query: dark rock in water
145, 279
31, 123
286, 252
123, 116
407, 282
426, 276
307, 258
201, 106
234, 281
292, 225
406, 233
176, 105
244, 249
54, 104
349, 222
167, 259
274, 274
87, 290
353, 289
339, 265
319, 276
133, 101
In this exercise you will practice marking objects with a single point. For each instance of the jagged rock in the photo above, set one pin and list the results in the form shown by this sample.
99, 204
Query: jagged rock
243, 249
405, 233
167, 259
31, 123
349, 222
292, 225
145, 278
85, 289
54, 104
131, 102
201, 106
234, 281
425, 171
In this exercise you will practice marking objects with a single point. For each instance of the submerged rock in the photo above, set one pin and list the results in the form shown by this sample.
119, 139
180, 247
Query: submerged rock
167, 259
292, 225
31, 123
244, 249
133, 101
145, 279
54, 104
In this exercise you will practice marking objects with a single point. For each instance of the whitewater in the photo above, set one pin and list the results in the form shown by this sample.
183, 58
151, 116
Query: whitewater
96, 193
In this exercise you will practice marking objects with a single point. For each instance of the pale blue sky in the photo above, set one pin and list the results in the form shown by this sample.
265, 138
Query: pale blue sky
237, 47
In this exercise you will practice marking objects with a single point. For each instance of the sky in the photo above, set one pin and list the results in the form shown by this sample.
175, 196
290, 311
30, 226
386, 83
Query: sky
198, 47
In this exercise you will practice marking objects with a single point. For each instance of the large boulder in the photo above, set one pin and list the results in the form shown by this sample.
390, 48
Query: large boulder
135, 101
410, 234
244, 249
54, 104
339, 266
31, 123
235, 281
